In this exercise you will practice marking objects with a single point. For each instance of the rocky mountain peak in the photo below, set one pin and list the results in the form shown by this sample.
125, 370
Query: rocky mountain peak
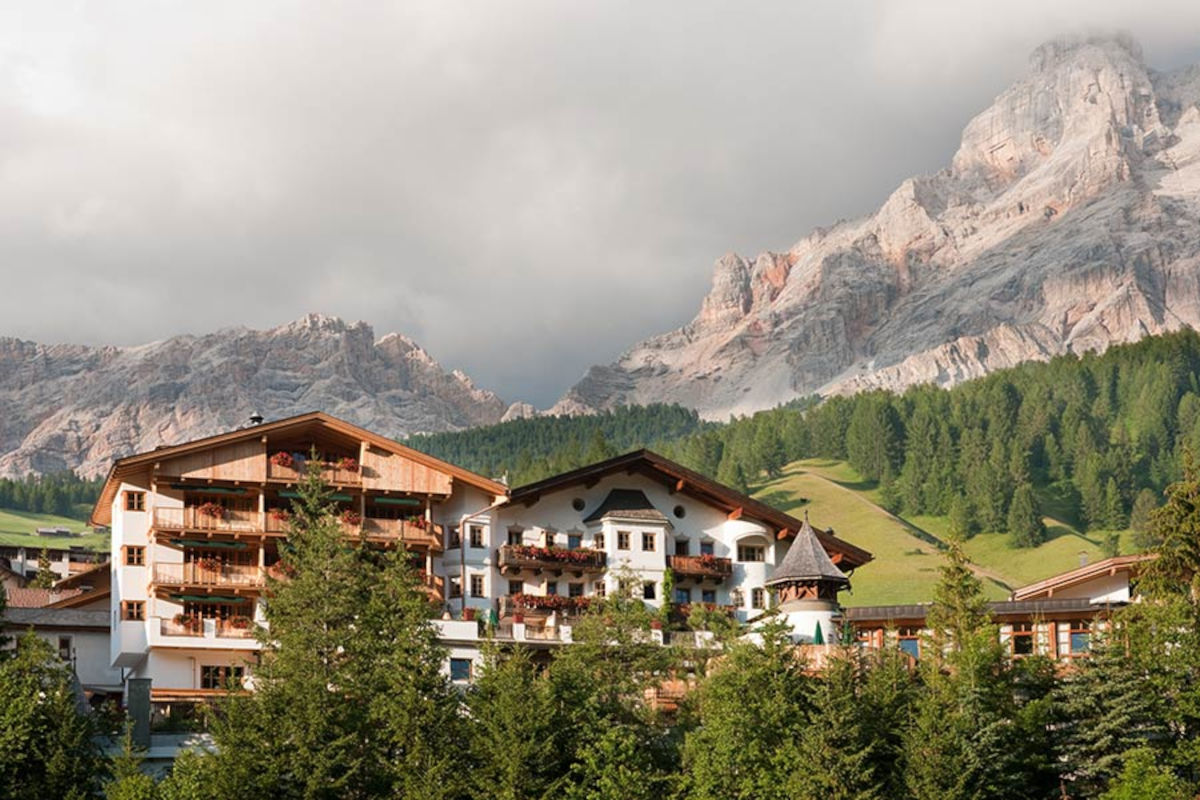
71, 406
1068, 219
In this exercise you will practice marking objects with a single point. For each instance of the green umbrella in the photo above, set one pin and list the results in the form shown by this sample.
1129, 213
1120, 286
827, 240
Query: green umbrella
818, 637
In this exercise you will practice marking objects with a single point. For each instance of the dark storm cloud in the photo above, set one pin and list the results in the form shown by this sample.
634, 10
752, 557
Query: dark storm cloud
525, 188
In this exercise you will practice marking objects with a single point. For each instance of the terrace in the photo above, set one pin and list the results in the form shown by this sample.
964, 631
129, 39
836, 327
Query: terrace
700, 567
515, 558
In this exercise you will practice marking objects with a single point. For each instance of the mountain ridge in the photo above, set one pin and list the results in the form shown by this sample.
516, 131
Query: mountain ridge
78, 407
1067, 220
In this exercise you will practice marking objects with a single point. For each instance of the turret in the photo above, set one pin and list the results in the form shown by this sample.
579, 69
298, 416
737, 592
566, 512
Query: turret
806, 585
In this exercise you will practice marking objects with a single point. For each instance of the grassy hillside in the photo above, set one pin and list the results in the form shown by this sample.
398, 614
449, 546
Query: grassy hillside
18, 528
906, 559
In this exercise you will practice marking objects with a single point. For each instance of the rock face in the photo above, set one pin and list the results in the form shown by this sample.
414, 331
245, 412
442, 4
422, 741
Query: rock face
1068, 220
65, 406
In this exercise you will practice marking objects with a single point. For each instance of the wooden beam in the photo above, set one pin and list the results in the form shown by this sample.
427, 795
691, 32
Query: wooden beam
837, 558
783, 533
736, 513
679, 486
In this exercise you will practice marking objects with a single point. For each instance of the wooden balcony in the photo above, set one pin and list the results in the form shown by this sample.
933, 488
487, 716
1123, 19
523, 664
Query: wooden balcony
205, 574
208, 519
542, 605
201, 628
411, 534
434, 586
330, 473
703, 567
515, 558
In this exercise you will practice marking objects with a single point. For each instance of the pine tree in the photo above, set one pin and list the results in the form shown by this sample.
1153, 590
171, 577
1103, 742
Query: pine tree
349, 697
1139, 519
961, 523
46, 576
512, 732
1144, 778
1114, 509
838, 751
752, 709
128, 781
47, 747
1025, 519
1108, 711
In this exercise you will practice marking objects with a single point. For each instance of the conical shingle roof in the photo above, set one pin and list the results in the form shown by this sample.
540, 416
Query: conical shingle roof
807, 560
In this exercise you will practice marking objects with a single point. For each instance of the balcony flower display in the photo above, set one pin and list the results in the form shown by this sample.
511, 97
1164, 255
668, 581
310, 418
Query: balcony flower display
283, 459
416, 522
211, 509
707, 561
558, 554
188, 622
350, 517
208, 563
347, 463
240, 622
550, 602
281, 514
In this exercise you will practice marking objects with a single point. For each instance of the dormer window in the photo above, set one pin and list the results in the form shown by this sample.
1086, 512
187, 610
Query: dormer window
751, 552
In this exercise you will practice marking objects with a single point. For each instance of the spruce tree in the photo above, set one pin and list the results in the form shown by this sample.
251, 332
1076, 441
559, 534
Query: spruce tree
1114, 508
1139, 518
349, 697
752, 708
1144, 778
128, 781
46, 576
512, 731
1025, 519
47, 745
1107, 711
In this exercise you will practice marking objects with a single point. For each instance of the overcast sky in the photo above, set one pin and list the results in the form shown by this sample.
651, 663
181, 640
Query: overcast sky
524, 188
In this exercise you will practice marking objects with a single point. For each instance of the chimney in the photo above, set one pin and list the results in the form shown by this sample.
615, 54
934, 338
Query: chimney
256, 418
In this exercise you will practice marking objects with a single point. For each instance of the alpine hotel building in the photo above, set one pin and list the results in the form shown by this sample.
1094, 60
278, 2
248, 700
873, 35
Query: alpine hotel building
196, 529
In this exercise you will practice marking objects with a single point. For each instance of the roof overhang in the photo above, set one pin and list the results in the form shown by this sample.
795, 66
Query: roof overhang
678, 478
1109, 566
142, 463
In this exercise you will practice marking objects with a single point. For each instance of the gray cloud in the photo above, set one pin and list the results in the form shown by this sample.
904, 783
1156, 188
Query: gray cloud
525, 188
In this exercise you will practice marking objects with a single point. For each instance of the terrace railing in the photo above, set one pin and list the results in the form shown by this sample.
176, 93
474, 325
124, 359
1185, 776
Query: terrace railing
514, 557
703, 566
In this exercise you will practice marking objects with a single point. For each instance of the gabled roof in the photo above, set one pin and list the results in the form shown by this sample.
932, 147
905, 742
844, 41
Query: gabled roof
1109, 566
102, 512
56, 618
678, 478
806, 560
627, 504
28, 597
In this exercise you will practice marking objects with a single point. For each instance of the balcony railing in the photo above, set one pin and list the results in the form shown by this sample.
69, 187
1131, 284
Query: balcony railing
206, 627
425, 534
208, 518
542, 604
513, 557
200, 573
330, 473
703, 566
434, 586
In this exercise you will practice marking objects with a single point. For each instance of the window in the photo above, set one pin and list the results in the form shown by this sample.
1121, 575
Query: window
220, 677
476, 536
574, 590
574, 541
514, 536
648, 590
601, 589
910, 641
758, 597
453, 538
680, 512
135, 556
736, 598
681, 547
1079, 632
622, 540
598, 541
135, 501
1021, 639
708, 596
516, 587
706, 548
683, 595
578, 504
64, 648
460, 669
648, 542
455, 587
476, 586
751, 552
548, 538
551, 587
133, 609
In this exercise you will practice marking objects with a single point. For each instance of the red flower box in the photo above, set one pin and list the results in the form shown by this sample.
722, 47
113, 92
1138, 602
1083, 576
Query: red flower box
283, 459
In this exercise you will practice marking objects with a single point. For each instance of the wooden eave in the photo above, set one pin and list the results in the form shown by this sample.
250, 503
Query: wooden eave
679, 479
75, 601
131, 465
1109, 566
